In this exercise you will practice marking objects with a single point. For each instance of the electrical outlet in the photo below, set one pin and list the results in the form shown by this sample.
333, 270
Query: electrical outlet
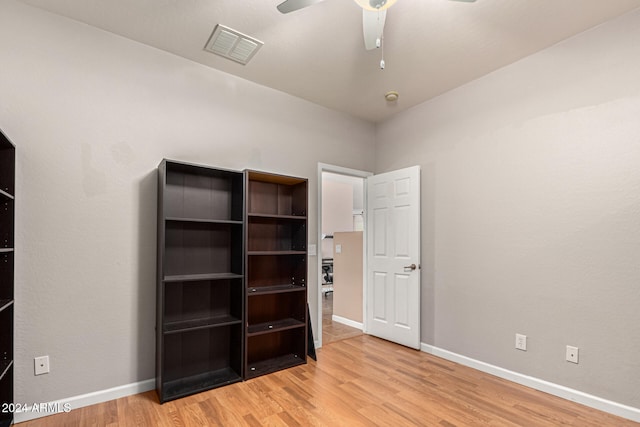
521, 342
572, 354
41, 365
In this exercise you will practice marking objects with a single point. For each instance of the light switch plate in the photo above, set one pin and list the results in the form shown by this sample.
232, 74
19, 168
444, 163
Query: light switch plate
312, 250
338, 249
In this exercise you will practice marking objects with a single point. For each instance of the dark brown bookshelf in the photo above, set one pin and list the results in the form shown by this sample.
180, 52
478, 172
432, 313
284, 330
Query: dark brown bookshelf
7, 215
200, 290
276, 273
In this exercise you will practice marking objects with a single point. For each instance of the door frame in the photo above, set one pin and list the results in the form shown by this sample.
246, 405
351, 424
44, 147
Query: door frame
324, 167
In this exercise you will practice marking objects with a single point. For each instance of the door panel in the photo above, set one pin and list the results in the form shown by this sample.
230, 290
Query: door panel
380, 233
401, 299
380, 281
401, 238
393, 290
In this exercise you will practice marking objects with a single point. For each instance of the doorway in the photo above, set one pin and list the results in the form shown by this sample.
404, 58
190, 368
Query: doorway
341, 252
390, 248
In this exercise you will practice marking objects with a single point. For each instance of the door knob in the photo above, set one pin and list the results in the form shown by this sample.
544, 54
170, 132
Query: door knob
410, 267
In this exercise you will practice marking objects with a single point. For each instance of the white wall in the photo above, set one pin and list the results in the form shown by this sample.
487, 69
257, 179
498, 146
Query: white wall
337, 210
92, 114
531, 212
347, 276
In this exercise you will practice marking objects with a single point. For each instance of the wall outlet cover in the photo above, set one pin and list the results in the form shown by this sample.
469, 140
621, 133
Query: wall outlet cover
41, 365
521, 342
572, 354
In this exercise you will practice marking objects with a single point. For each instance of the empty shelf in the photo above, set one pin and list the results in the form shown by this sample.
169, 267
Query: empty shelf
272, 365
206, 276
275, 289
204, 220
201, 382
275, 326
193, 324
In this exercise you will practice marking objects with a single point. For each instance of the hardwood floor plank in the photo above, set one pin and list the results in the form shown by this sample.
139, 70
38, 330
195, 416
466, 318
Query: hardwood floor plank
361, 397
251, 421
380, 416
447, 409
193, 415
261, 394
381, 387
358, 381
289, 420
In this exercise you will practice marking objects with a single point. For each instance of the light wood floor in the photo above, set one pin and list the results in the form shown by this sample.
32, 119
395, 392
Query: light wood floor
334, 331
360, 381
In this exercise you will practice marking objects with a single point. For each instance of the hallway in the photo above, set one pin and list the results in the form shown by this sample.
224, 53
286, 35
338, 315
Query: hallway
334, 331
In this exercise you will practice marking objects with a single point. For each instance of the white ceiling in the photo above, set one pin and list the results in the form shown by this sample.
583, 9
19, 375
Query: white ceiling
317, 53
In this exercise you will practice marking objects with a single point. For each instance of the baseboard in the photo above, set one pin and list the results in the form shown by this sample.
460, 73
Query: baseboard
592, 401
38, 410
348, 322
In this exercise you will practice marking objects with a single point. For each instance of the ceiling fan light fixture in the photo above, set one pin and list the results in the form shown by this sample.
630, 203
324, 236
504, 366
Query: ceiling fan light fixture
375, 4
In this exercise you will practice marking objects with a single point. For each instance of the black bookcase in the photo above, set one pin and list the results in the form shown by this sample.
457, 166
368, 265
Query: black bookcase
276, 273
200, 286
7, 212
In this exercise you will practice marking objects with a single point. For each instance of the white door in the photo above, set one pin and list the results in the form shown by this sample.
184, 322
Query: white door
393, 256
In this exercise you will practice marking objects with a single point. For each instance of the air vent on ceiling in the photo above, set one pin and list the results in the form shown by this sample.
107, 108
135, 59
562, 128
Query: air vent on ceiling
232, 44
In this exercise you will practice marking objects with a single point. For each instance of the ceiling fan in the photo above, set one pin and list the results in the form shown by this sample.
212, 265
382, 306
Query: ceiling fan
374, 13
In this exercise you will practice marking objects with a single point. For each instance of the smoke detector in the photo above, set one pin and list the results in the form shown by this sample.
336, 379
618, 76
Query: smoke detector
232, 44
391, 96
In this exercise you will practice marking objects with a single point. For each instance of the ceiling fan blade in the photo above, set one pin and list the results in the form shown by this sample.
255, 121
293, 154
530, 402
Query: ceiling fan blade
372, 26
293, 5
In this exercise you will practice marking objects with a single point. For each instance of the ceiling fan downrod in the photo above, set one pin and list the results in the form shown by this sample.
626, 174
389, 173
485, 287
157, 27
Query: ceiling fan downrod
375, 4
379, 43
